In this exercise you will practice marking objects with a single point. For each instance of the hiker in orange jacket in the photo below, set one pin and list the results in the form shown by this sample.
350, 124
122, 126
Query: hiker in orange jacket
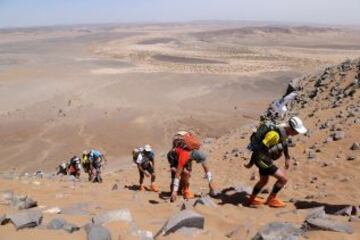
185, 155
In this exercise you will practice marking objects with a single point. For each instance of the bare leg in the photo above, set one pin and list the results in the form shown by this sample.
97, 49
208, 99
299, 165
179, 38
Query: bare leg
282, 179
253, 200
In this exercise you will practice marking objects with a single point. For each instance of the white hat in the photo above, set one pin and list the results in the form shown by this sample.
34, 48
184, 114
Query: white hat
147, 148
296, 124
181, 133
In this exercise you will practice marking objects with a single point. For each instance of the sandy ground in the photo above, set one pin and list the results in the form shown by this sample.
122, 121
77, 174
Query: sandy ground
115, 88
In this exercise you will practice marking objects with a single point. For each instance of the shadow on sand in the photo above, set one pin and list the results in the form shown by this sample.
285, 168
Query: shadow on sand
329, 208
234, 198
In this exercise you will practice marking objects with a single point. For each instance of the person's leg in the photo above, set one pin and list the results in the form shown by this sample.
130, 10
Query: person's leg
141, 180
186, 181
98, 174
253, 200
153, 177
282, 179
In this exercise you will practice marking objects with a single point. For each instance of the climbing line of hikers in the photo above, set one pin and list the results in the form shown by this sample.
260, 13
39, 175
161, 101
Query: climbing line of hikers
91, 162
269, 141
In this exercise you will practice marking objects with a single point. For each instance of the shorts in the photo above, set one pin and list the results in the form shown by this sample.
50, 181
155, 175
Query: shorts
198, 156
147, 168
266, 167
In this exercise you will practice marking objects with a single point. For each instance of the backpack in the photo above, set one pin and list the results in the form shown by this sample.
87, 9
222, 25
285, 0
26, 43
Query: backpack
257, 136
186, 140
135, 154
191, 142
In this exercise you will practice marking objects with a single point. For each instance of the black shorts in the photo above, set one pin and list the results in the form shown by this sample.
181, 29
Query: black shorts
147, 168
266, 167
268, 171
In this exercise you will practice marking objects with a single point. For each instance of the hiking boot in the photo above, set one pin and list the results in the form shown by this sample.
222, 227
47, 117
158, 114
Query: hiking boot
141, 188
254, 201
154, 188
188, 194
272, 201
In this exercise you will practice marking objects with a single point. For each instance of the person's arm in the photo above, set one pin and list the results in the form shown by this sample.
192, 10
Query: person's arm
286, 153
209, 177
176, 183
287, 157
152, 160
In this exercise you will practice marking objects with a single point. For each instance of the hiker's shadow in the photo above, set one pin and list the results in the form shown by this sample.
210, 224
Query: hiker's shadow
164, 195
231, 196
132, 187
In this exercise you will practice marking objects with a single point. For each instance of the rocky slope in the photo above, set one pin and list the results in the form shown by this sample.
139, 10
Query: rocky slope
325, 172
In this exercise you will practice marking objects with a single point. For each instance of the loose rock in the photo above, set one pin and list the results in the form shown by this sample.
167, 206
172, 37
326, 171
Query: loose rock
338, 135
96, 232
355, 146
317, 219
207, 201
186, 218
278, 231
26, 219
56, 224
114, 215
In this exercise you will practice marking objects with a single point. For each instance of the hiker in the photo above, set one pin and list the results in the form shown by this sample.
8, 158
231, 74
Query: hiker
144, 159
268, 144
74, 167
86, 165
96, 160
62, 169
185, 150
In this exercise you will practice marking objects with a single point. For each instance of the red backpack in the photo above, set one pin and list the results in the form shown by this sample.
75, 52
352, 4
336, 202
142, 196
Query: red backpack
191, 141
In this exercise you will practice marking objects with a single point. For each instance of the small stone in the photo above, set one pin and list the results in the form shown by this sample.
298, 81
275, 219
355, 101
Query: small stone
338, 135
310, 154
325, 165
54, 210
23, 202
355, 146
70, 228
115, 187
329, 139
351, 158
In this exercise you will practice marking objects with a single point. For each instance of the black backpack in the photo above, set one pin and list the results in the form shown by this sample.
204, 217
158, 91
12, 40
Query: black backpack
257, 137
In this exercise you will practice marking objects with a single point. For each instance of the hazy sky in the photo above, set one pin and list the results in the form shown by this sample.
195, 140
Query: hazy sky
49, 12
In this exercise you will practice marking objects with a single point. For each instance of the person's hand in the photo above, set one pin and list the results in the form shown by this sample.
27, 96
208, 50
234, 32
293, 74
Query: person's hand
146, 174
173, 197
287, 163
